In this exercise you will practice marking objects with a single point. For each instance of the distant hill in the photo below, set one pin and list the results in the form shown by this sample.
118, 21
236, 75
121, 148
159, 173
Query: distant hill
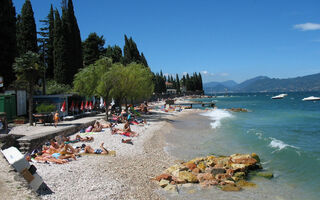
249, 82
266, 84
304, 83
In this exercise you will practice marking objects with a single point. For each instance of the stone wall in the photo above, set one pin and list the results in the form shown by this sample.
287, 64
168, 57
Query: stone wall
29, 143
8, 140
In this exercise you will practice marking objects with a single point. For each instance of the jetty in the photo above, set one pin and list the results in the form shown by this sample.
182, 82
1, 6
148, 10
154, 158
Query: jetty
195, 103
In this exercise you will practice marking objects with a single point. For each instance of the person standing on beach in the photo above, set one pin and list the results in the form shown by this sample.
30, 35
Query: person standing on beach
56, 118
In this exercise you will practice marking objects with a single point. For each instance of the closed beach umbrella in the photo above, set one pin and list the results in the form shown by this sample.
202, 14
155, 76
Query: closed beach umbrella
81, 108
63, 108
86, 106
90, 105
72, 107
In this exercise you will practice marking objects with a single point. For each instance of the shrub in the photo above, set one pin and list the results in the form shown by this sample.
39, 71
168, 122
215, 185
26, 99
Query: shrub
45, 108
56, 88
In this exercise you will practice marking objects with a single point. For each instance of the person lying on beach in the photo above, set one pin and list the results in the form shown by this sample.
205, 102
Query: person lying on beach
49, 158
127, 141
78, 138
101, 150
63, 150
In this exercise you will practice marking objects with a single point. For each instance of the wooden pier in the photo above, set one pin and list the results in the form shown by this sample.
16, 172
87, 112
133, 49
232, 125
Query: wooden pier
191, 104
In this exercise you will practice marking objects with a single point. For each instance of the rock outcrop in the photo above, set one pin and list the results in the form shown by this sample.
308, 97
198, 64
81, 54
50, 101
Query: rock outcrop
227, 172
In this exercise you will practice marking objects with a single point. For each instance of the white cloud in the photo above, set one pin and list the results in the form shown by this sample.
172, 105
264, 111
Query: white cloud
206, 73
184, 73
307, 26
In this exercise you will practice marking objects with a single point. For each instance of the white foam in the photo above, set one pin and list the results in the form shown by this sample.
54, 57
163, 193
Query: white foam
216, 116
279, 145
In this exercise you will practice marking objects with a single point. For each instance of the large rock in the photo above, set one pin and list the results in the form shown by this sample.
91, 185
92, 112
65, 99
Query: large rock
268, 175
197, 160
190, 165
179, 167
164, 183
172, 188
238, 167
244, 183
229, 187
215, 171
201, 166
163, 176
188, 176
255, 156
243, 159
205, 177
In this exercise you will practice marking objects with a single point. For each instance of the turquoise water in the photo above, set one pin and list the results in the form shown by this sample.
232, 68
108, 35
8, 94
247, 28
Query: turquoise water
285, 133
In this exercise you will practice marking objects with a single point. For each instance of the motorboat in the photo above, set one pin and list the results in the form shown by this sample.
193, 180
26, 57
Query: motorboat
280, 96
311, 98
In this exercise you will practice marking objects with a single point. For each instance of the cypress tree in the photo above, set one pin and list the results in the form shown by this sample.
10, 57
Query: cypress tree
144, 61
50, 56
7, 40
75, 41
27, 32
60, 54
92, 48
131, 52
178, 84
200, 82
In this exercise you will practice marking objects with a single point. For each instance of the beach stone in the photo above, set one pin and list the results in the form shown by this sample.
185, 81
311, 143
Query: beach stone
255, 156
187, 185
268, 175
229, 182
240, 175
238, 167
210, 163
172, 188
244, 183
188, 176
178, 180
175, 167
222, 162
230, 188
202, 166
196, 171
163, 183
235, 178
163, 176
222, 177
215, 171
176, 173
197, 160
191, 165
205, 177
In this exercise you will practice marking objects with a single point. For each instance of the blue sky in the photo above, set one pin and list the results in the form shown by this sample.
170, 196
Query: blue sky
225, 40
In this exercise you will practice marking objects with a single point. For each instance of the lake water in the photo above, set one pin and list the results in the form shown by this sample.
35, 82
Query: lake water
285, 133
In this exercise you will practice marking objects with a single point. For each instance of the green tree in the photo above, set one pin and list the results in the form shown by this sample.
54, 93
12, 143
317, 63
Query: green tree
75, 44
7, 40
178, 84
130, 51
115, 53
143, 60
95, 80
60, 52
28, 69
92, 48
26, 30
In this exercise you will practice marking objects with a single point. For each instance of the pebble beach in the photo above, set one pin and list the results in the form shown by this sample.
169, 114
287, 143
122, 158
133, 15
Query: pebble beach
124, 176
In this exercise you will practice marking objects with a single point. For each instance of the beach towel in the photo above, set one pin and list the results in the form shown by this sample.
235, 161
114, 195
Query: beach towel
111, 153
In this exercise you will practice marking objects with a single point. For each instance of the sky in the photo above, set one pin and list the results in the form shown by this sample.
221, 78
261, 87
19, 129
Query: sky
224, 40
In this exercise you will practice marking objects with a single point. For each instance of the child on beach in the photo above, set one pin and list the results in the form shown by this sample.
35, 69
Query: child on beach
56, 118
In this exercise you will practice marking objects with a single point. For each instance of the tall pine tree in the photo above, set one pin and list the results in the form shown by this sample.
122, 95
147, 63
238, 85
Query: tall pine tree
115, 53
26, 30
7, 40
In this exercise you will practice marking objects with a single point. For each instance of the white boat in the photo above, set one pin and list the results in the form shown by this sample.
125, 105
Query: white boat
311, 98
280, 96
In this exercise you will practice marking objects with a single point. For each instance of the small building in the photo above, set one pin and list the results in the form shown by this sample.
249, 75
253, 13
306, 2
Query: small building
57, 100
171, 91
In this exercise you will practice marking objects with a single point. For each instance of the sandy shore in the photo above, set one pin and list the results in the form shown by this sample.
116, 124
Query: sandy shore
125, 176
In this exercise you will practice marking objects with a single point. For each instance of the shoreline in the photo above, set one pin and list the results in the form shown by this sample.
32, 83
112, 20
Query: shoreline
126, 176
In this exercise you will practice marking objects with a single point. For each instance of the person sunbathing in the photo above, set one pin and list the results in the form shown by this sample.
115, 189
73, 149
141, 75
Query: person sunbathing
62, 151
127, 129
101, 150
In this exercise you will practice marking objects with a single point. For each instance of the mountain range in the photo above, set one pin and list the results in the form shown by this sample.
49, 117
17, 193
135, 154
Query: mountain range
266, 84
